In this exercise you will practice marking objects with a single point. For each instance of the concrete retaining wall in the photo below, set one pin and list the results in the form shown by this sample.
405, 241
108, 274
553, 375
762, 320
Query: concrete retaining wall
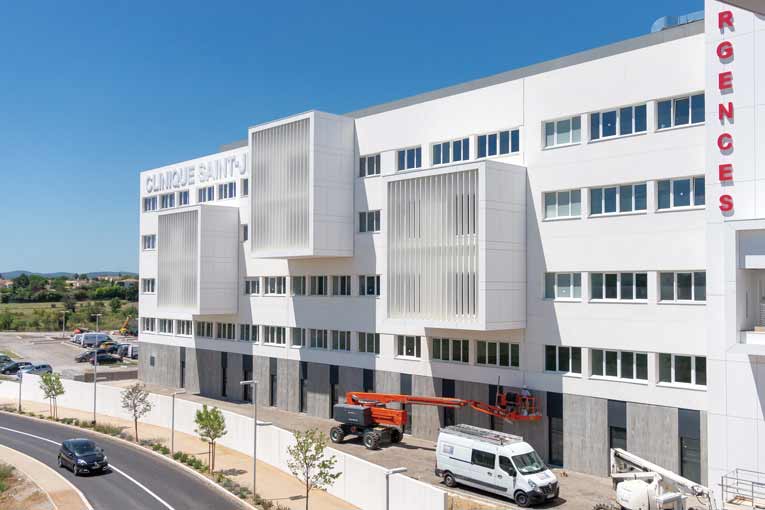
362, 483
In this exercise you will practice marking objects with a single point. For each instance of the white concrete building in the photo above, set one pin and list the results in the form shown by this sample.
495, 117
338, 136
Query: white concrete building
558, 226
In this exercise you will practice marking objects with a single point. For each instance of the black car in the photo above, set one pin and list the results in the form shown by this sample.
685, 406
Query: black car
104, 359
13, 367
87, 355
82, 456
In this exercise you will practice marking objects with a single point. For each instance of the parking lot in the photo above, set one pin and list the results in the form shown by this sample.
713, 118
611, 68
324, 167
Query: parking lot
51, 349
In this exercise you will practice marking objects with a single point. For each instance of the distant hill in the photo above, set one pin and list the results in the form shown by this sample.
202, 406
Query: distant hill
10, 275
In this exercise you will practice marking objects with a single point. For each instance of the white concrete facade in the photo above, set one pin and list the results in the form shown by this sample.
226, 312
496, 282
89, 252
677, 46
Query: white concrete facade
656, 316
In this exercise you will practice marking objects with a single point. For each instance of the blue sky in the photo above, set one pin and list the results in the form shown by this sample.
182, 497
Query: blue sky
92, 93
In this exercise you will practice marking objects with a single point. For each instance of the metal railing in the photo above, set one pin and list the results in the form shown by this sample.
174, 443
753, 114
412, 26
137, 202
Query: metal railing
744, 487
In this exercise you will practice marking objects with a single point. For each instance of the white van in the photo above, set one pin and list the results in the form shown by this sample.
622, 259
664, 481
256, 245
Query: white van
495, 462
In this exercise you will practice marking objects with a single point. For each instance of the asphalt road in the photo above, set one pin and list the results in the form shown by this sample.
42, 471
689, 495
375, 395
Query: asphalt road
138, 480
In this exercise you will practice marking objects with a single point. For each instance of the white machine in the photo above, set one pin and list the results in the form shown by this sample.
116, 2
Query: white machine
642, 485
495, 462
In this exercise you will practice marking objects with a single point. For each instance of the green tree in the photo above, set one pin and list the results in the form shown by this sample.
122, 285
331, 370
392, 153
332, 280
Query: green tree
308, 462
52, 388
115, 305
21, 281
211, 426
135, 400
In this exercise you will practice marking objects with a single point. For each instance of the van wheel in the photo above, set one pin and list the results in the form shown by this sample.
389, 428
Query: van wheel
449, 480
372, 440
396, 436
60, 464
521, 499
336, 434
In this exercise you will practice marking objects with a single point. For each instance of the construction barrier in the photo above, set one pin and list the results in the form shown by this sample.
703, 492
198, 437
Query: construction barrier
361, 483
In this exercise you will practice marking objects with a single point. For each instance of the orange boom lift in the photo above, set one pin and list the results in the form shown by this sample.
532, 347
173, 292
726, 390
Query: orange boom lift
368, 415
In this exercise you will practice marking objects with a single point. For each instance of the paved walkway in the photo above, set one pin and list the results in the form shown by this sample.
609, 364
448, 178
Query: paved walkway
273, 484
61, 493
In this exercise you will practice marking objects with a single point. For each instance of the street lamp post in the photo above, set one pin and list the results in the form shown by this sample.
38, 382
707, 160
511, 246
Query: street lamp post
254, 389
21, 378
388, 474
63, 324
97, 316
172, 422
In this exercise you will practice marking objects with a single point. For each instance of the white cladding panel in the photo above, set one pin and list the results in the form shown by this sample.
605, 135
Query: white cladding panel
178, 264
219, 260
281, 187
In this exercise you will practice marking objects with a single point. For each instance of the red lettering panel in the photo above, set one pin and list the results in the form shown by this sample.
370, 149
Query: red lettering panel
725, 80
725, 172
725, 50
725, 112
726, 203
725, 142
725, 19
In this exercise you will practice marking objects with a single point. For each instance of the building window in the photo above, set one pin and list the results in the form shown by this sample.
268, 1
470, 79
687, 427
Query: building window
245, 187
318, 338
227, 190
500, 354
183, 198
369, 165
245, 233
559, 358
446, 349
318, 285
275, 335
298, 285
563, 286
369, 343
408, 346
245, 332
683, 286
563, 204
563, 132
675, 368
251, 286
183, 328
167, 201
148, 324
409, 158
275, 285
224, 331
620, 364
688, 192
298, 337
369, 221
619, 122
680, 111
451, 152
206, 194
625, 286
498, 144
149, 204
150, 242
369, 285
204, 329
618, 199
166, 326
148, 285
341, 340
341, 285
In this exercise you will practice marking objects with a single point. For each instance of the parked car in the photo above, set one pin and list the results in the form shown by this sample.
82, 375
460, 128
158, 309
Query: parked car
75, 338
127, 350
110, 346
13, 367
94, 339
105, 359
134, 354
82, 456
80, 330
36, 369
87, 355
495, 462
4, 360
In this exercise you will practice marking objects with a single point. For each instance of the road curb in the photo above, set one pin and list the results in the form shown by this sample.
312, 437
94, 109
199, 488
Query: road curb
148, 450
74, 489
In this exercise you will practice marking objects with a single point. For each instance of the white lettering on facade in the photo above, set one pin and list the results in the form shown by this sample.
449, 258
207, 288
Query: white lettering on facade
204, 171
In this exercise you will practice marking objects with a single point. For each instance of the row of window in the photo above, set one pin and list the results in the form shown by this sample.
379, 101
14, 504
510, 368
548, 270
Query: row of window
319, 285
206, 194
679, 286
673, 368
627, 120
626, 198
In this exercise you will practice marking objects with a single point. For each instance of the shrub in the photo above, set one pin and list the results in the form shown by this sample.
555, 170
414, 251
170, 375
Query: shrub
165, 450
6, 471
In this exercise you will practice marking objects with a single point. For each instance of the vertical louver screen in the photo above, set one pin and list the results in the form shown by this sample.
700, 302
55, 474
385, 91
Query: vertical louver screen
433, 247
281, 187
178, 260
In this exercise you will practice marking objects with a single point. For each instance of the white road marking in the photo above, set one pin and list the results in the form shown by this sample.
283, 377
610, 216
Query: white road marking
139, 484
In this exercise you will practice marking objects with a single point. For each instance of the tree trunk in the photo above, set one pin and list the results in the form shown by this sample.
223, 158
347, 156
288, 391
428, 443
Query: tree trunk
212, 466
135, 425
307, 490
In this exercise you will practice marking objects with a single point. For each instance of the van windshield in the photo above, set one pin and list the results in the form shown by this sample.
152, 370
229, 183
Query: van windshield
529, 463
